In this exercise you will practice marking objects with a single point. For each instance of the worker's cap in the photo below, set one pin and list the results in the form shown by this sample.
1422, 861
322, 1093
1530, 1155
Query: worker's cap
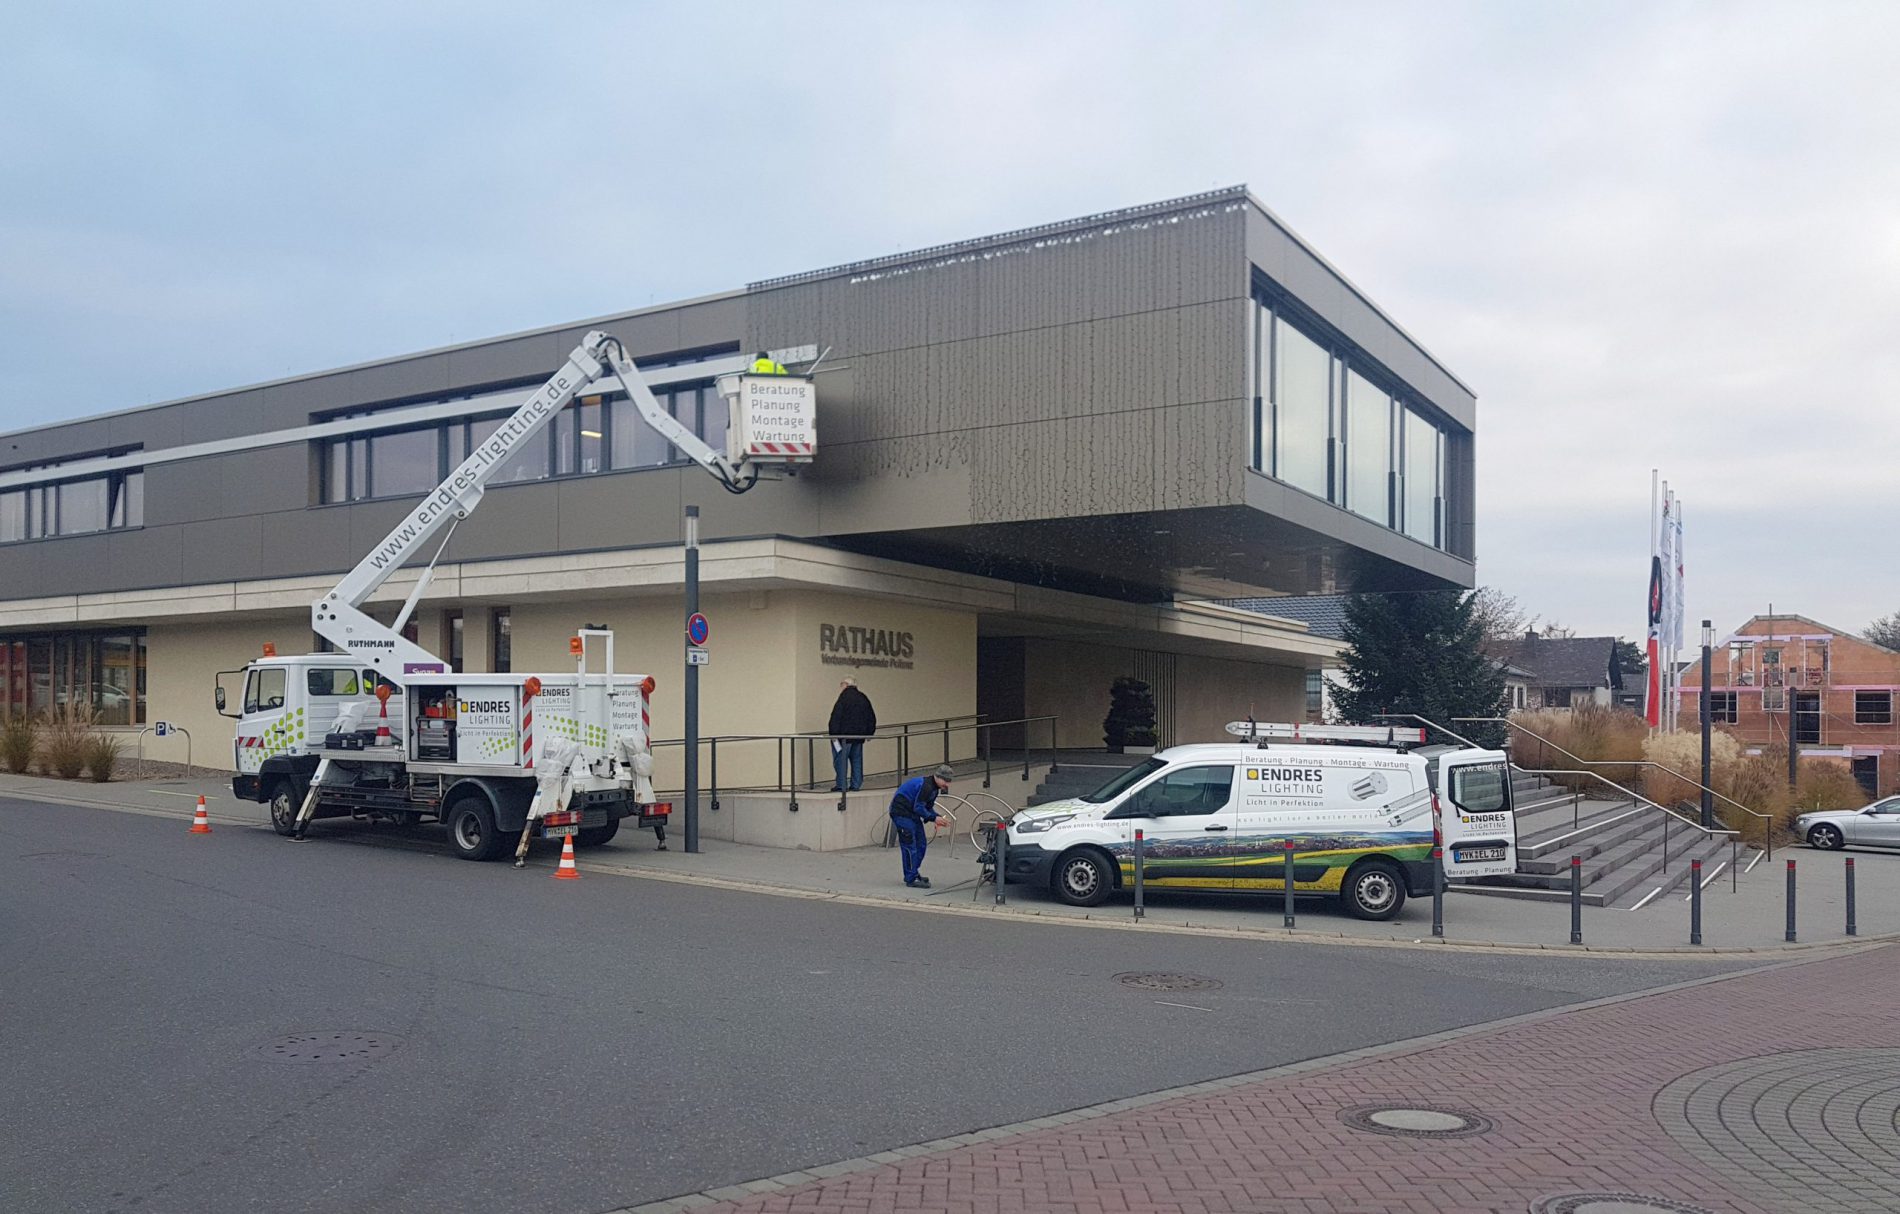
945, 773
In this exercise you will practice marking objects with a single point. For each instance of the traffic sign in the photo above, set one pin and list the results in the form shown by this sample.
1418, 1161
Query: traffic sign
161, 728
697, 629
698, 657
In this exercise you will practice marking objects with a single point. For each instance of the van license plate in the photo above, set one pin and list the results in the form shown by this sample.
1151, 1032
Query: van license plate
1474, 854
561, 832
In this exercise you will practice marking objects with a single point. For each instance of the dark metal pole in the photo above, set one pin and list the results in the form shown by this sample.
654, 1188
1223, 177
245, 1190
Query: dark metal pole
1708, 798
1138, 881
1852, 929
1287, 852
715, 775
1438, 891
1001, 834
692, 683
1695, 902
1576, 899
1790, 936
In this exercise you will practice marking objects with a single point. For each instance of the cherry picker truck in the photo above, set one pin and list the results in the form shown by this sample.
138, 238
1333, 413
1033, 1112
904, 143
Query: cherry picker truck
382, 729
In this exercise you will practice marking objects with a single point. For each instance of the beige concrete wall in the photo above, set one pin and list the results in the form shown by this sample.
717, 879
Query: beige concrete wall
180, 662
1070, 680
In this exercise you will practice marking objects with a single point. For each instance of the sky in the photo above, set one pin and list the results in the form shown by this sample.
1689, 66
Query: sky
1649, 236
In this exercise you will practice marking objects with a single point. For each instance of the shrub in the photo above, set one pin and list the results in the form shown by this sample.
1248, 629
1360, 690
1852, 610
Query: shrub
19, 739
67, 731
1826, 784
1131, 715
102, 755
1610, 737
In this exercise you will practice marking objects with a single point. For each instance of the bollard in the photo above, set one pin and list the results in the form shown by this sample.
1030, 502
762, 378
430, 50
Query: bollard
1138, 866
1576, 899
1287, 866
1852, 930
1001, 848
1790, 936
1695, 902
1438, 891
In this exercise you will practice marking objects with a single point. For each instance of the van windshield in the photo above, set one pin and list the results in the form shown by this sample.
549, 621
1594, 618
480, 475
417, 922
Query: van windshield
1122, 783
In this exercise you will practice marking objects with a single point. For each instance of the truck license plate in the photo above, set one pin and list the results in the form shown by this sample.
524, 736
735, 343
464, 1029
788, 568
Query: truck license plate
561, 832
1473, 854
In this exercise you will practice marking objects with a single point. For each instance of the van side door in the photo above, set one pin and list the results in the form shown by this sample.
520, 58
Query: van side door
1187, 817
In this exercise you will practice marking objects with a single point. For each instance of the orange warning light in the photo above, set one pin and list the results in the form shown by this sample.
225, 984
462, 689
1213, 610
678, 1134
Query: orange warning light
270, 650
574, 646
383, 692
647, 685
531, 687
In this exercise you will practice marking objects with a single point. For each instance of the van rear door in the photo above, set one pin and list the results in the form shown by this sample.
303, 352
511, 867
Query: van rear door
1477, 826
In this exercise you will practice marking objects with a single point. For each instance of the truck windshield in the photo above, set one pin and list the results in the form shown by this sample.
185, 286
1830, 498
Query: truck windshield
1122, 783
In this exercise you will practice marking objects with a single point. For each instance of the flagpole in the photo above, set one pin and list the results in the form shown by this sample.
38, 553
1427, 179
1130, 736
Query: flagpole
1655, 517
1668, 548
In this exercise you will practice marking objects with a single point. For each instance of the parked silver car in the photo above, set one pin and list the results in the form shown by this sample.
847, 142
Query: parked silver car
1877, 825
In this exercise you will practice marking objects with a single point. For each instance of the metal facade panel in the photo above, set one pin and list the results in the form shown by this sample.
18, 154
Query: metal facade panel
228, 550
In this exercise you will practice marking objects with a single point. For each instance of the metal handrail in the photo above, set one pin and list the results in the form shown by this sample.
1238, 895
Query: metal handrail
1428, 722
1768, 821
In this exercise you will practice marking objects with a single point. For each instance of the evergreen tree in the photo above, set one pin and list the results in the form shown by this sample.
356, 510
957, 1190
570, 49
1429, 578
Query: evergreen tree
1419, 653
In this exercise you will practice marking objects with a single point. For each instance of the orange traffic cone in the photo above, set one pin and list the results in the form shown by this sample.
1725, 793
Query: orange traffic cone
200, 823
567, 871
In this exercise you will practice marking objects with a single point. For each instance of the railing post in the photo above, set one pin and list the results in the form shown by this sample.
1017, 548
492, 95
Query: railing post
1790, 937
778, 745
811, 766
1852, 930
1287, 865
1734, 864
989, 743
1054, 766
903, 755
715, 775
1666, 817
1139, 866
946, 740
1576, 899
1695, 902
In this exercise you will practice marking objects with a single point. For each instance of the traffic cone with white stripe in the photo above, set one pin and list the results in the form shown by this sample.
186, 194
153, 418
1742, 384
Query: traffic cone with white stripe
567, 871
200, 821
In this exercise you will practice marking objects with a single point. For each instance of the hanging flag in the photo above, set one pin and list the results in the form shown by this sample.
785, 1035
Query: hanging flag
1652, 700
1677, 607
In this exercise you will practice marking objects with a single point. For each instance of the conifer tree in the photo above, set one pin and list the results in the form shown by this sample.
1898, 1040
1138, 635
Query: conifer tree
1419, 653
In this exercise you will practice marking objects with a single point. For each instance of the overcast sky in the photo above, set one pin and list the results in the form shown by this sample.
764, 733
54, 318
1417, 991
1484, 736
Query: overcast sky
1648, 235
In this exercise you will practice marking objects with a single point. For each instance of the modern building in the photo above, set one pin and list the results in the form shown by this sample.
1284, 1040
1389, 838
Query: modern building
1832, 690
1041, 455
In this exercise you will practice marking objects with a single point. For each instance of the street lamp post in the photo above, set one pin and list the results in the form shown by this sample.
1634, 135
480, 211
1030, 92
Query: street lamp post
691, 704
1708, 798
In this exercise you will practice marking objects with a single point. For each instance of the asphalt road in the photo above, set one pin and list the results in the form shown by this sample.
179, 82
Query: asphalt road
578, 1046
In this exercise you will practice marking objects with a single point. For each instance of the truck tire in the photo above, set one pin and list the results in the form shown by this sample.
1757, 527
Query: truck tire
1373, 889
595, 836
1082, 878
284, 804
473, 834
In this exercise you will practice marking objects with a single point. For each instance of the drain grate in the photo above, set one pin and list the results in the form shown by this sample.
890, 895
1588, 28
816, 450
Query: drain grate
1169, 982
327, 1047
1416, 1121
1611, 1203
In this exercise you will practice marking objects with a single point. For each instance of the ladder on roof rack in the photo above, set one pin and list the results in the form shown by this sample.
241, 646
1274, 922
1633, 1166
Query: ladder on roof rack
1273, 731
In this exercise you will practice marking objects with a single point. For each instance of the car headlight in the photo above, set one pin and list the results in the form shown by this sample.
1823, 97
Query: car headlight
1036, 826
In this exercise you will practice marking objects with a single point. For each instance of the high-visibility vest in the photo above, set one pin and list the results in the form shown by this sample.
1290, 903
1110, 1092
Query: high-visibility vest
765, 366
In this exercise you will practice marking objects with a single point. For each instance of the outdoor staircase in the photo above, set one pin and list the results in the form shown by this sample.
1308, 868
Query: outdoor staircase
1079, 772
1630, 852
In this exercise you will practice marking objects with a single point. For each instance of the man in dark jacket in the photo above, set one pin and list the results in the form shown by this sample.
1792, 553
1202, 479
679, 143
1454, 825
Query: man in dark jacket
914, 804
852, 720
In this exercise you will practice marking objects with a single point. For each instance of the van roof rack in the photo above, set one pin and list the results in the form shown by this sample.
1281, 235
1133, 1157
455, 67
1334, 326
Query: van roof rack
1264, 732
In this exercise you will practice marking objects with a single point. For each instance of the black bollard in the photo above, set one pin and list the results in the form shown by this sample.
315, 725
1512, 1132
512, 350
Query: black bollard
1138, 869
1438, 891
1576, 899
1287, 852
1790, 936
1695, 902
1852, 930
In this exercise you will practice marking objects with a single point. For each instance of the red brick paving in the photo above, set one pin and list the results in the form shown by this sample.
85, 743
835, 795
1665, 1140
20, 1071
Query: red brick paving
1570, 1095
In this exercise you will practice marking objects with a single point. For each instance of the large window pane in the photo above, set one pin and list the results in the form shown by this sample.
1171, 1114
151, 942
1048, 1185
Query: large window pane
82, 506
1368, 448
1421, 477
593, 435
116, 696
713, 418
635, 444
564, 425
1302, 405
528, 463
12, 516
403, 463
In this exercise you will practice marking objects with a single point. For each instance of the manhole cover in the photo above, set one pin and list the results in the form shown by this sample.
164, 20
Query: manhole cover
327, 1047
1416, 1121
1610, 1203
1168, 982
1816, 1128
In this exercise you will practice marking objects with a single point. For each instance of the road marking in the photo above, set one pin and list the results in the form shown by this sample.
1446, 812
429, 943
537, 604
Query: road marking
1753, 863
166, 792
1189, 1006
1646, 898
1705, 881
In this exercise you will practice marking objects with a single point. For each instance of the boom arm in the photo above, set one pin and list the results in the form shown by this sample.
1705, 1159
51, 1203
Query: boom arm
338, 616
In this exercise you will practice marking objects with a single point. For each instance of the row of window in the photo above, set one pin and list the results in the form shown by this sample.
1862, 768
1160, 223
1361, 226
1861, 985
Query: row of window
102, 673
76, 507
1870, 707
1322, 424
592, 434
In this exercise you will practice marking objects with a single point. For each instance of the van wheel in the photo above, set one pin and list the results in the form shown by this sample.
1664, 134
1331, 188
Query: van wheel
1373, 890
472, 831
594, 836
1082, 879
284, 805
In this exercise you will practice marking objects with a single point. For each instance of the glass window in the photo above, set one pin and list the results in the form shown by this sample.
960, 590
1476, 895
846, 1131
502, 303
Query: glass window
338, 682
502, 646
1315, 695
563, 426
1722, 707
635, 444
115, 698
1873, 708
714, 416
82, 506
403, 463
39, 660
264, 690
452, 639
592, 435
1368, 449
529, 461
128, 500
1187, 792
12, 516
1479, 788
1301, 409
1421, 478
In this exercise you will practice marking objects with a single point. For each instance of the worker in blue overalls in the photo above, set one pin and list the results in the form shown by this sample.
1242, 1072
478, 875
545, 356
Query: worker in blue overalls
914, 804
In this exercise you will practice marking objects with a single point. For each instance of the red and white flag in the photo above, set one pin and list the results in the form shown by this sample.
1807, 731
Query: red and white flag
1652, 701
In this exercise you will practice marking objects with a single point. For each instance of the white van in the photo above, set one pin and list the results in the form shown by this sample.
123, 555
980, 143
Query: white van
1359, 803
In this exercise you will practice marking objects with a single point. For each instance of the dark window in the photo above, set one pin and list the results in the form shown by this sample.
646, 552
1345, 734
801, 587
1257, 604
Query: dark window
1556, 697
98, 673
1315, 695
452, 639
1479, 788
1188, 792
501, 642
339, 682
1873, 708
1722, 707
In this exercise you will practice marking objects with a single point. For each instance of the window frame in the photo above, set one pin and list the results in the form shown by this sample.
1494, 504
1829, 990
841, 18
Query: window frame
1724, 707
1137, 805
1871, 715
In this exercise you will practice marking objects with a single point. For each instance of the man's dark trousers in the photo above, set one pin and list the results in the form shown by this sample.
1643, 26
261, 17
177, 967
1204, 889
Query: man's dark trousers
912, 838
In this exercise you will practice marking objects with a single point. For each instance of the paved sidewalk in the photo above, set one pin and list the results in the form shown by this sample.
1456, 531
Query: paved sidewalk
1741, 912
1683, 1096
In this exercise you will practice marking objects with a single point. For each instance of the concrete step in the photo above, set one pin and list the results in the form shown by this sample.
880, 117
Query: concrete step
1673, 881
1592, 833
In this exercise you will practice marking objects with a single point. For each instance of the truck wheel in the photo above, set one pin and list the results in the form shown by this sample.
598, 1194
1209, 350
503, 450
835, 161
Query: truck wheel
1373, 890
594, 836
1082, 879
284, 804
473, 834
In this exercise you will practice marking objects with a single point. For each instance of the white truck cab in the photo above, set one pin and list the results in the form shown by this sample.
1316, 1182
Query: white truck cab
1361, 806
